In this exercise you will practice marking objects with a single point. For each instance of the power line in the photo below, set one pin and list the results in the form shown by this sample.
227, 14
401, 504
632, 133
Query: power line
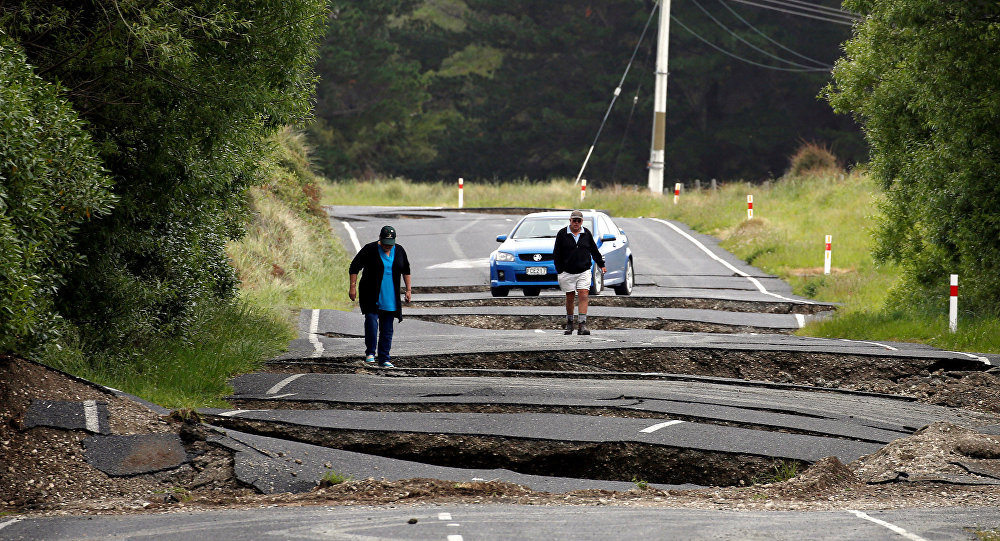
740, 58
765, 36
847, 21
817, 8
618, 91
752, 46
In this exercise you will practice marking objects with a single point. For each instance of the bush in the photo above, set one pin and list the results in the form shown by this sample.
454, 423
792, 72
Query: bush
812, 158
52, 181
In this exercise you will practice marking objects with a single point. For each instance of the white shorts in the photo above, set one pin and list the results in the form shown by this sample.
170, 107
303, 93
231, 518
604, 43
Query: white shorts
569, 283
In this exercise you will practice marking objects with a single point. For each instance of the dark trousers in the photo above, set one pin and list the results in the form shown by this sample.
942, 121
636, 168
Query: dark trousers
378, 332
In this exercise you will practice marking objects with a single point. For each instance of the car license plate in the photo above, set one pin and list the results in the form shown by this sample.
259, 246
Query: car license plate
534, 271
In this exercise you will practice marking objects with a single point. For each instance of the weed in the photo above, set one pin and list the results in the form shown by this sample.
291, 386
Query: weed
783, 470
332, 478
985, 535
640, 483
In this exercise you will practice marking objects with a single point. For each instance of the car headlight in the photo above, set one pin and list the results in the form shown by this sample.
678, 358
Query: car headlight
504, 256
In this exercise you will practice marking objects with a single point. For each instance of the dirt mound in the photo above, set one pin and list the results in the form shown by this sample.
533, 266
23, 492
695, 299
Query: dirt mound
938, 451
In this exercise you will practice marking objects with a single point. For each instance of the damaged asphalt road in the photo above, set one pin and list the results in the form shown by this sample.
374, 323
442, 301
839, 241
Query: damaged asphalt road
694, 379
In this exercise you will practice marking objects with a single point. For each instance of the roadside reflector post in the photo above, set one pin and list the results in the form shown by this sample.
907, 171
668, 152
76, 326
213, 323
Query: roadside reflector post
826, 255
461, 188
677, 192
953, 305
583, 188
749, 207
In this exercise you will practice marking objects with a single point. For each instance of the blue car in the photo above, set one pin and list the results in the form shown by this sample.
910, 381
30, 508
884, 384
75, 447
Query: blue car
524, 259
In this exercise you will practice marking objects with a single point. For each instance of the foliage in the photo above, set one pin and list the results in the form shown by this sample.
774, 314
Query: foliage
177, 99
511, 89
331, 478
51, 182
812, 158
919, 75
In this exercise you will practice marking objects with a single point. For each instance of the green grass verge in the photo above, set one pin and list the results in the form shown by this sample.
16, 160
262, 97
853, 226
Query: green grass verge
786, 237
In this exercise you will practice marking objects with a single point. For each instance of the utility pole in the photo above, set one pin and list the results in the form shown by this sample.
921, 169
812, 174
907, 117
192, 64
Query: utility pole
656, 154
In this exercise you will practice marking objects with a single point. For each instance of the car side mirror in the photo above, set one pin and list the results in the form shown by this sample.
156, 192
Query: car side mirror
501, 238
608, 237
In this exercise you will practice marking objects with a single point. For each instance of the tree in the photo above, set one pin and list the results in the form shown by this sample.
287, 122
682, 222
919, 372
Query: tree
51, 181
177, 98
920, 75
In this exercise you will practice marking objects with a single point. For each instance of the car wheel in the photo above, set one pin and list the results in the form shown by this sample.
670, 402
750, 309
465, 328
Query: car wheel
532, 291
499, 291
625, 288
597, 283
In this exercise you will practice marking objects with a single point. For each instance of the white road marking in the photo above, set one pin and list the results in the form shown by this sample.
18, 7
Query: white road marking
977, 357
313, 330
235, 413
454, 538
444, 516
654, 428
90, 416
886, 346
454, 235
754, 281
801, 320
8, 523
893, 527
539, 331
283, 395
353, 235
462, 264
281, 384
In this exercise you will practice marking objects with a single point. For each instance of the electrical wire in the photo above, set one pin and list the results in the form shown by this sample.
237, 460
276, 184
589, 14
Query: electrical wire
816, 8
618, 91
765, 36
751, 45
847, 21
740, 58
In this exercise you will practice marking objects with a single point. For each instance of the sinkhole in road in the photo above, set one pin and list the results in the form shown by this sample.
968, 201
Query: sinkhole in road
618, 461
554, 322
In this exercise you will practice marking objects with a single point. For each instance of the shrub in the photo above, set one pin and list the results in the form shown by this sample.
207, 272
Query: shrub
811, 158
52, 181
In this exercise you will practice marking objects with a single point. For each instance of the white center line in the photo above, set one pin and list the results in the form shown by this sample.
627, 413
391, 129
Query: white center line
801, 320
8, 523
893, 527
754, 281
313, 330
654, 428
90, 416
454, 538
444, 516
281, 384
353, 235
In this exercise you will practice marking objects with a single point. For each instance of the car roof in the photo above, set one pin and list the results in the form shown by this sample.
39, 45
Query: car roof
561, 213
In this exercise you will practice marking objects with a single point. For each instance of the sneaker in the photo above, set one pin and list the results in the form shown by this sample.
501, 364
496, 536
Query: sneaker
569, 327
387, 364
583, 329
370, 359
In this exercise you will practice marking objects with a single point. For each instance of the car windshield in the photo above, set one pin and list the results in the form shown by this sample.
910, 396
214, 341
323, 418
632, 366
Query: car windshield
545, 228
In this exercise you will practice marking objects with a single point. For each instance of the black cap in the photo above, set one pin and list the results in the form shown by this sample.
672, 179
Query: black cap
387, 236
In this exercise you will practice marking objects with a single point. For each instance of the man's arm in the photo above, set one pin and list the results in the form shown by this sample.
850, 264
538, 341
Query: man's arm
598, 258
353, 291
409, 293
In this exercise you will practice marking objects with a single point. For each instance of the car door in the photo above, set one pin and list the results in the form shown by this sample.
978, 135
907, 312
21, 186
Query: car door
613, 250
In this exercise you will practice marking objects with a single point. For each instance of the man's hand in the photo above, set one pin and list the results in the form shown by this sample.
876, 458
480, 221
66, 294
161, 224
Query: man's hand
408, 295
604, 270
353, 293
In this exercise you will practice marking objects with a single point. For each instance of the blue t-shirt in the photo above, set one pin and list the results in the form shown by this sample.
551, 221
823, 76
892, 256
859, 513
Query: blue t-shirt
387, 295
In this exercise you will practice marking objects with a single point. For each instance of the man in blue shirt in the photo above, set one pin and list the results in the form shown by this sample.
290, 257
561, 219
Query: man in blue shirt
381, 265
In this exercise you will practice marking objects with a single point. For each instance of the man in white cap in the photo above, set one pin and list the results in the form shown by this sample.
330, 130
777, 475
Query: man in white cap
572, 253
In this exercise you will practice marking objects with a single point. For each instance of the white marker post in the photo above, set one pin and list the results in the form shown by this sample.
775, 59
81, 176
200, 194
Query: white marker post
749, 207
953, 305
677, 192
461, 186
826, 255
583, 188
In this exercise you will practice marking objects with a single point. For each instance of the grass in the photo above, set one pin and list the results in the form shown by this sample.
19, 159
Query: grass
781, 471
792, 216
331, 478
287, 261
